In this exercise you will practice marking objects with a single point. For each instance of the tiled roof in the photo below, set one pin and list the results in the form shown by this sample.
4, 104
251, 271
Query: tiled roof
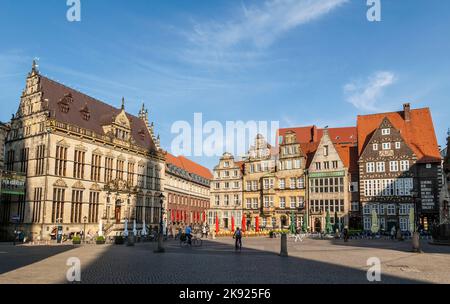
418, 132
309, 149
344, 135
100, 112
189, 166
309, 139
349, 156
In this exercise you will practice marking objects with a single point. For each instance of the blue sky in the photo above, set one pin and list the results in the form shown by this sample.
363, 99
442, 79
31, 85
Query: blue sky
299, 62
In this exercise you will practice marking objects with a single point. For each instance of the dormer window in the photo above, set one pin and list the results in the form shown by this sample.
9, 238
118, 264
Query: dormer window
85, 114
64, 103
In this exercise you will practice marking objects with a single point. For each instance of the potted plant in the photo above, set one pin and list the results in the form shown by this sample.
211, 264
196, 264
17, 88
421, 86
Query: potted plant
100, 240
118, 240
76, 240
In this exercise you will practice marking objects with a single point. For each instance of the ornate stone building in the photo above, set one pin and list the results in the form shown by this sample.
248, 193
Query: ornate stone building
399, 155
340, 147
333, 183
187, 187
4, 128
85, 162
288, 187
226, 193
259, 168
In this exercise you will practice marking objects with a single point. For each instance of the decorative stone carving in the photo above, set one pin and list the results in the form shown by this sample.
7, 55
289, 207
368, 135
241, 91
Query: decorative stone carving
78, 185
60, 183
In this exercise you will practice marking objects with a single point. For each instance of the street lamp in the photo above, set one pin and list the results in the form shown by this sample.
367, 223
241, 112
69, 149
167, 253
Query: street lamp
415, 238
160, 248
84, 230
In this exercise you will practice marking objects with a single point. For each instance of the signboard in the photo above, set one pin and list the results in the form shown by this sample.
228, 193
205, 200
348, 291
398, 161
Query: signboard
327, 174
12, 183
427, 196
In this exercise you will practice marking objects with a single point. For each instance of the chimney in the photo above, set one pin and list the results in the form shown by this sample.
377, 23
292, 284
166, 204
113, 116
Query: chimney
313, 134
407, 111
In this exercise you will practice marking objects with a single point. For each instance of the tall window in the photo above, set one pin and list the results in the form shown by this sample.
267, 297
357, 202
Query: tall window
404, 165
130, 175
61, 161
40, 154
77, 203
58, 205
108, 169
292, 184
141, 176
119, 169
318, 167
78, 167
24, 160
95, 167
282, 183
236, 199
282, 202
10, 160
301, 183
37, 205
381, 166
226, 200
370, 167
293, 201
93, 206
249, 203
149, 178
393, 166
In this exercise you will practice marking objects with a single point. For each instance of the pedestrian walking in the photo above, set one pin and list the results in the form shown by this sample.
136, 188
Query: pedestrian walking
204, 231
207, 230
298, 236
345, 234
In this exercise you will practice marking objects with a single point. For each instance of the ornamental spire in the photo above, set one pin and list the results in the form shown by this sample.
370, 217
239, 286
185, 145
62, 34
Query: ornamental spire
123, 103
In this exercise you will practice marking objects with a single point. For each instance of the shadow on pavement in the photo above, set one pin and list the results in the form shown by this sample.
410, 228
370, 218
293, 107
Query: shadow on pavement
14, 257
216, 263
402, 246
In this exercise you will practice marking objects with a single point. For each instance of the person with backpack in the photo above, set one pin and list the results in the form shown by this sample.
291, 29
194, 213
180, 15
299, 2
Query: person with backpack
238, 239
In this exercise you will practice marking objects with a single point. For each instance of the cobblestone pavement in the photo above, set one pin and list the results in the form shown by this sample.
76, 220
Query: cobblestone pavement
311, 261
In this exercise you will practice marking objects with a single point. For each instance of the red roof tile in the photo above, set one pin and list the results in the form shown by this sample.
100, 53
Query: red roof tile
418, 132
344, 135
188, 165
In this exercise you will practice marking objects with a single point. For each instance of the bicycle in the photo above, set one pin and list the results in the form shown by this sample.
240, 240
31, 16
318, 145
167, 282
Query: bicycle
195, 241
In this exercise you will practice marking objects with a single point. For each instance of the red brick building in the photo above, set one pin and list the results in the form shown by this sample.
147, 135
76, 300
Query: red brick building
187, 190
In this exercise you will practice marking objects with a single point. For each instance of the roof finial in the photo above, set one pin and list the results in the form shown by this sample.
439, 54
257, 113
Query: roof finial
123, 103
34, 66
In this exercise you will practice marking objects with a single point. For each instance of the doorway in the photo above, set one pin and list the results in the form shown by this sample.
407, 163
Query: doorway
117, 211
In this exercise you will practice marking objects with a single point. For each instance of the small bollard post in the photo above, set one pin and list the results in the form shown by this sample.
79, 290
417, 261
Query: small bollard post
284, 251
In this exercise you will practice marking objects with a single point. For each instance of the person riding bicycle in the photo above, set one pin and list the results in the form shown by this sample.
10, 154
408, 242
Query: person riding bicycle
238, 238
188, 233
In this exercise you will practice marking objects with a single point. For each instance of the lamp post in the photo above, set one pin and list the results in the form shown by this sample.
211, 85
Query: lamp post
415, 238
84, 229
160, 248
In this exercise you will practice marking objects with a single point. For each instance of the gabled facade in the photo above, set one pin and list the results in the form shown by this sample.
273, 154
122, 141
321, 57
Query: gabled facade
330, 184
259, 163
226, 193
289, 183
398, 156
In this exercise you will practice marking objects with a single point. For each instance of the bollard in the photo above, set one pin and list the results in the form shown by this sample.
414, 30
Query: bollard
284, 251
416, 242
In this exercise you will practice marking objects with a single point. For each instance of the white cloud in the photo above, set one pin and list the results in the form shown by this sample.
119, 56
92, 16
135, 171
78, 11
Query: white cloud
365, 95
262, 25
